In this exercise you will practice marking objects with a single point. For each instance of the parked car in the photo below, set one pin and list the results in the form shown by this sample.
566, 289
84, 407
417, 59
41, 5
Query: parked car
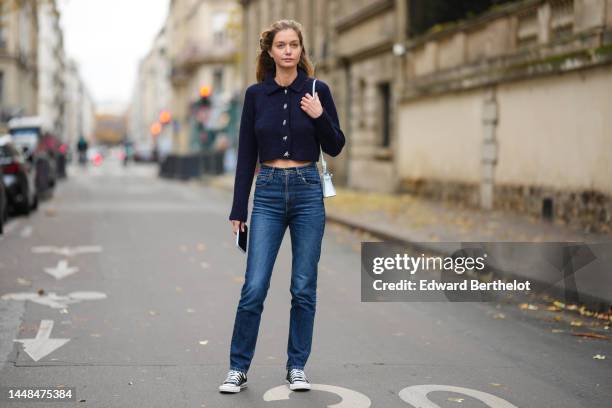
3, 204
18, 177
32, 137
143, 152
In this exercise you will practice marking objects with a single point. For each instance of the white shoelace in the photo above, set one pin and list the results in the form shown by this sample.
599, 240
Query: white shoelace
297, 375
234, 377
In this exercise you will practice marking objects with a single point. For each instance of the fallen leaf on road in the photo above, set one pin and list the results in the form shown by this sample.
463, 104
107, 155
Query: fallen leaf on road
599, 357
585, 312
576, 323
203, 342
495, 384
527, 306
50, 212
499, 316
560, 305
557, 331
592, 335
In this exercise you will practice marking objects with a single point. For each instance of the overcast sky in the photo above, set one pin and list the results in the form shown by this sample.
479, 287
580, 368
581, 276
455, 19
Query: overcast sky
108, 38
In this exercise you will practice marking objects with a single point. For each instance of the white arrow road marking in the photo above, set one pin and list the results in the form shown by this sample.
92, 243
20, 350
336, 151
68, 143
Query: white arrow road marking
61, 270
350, 398
66, 251
10, 226
42, 345
53, 300
26, 231
416, 396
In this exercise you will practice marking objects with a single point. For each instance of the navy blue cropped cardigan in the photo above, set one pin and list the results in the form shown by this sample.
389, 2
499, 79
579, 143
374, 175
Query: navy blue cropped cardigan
274, 126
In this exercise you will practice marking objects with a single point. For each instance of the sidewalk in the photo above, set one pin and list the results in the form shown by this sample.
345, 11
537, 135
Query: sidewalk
421, 223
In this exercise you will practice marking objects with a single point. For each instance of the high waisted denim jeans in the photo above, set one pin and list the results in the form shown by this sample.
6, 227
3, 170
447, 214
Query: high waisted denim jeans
283, 197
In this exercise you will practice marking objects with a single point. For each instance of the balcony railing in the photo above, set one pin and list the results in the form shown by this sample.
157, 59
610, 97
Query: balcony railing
520, 39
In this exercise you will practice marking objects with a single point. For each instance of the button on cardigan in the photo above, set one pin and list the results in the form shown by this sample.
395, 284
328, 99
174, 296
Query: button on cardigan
274, 126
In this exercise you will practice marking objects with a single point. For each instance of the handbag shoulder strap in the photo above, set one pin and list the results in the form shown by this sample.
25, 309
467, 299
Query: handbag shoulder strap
323, 162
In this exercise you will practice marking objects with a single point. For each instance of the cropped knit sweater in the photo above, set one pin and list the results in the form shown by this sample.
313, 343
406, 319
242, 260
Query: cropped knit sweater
274, 126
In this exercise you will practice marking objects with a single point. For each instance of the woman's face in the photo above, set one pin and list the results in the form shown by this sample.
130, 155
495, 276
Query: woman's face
286, 49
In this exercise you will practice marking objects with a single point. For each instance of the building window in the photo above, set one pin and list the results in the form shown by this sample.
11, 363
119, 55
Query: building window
3, 24
218, 81
384, 91
219, 26
362, 104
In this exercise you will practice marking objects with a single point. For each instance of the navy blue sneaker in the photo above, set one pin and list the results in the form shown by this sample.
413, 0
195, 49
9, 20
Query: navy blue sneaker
235, 382
297, 380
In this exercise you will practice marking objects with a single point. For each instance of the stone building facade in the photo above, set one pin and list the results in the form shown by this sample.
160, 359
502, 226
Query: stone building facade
18, 60
51, 68
202, 52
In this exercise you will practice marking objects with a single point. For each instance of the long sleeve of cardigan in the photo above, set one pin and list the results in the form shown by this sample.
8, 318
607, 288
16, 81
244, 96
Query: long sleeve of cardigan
329, 134
247, 158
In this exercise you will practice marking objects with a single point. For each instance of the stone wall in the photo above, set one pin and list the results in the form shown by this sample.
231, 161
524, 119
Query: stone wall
512, 109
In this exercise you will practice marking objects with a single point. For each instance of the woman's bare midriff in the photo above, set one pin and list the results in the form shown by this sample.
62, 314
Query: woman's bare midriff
283, 163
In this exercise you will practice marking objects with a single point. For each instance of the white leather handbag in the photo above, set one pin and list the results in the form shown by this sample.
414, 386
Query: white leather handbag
326, 177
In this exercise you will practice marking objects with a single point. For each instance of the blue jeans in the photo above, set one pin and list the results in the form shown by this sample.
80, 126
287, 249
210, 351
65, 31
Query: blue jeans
283, 197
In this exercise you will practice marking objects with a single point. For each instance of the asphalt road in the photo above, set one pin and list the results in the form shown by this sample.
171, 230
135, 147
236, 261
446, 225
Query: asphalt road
147, 316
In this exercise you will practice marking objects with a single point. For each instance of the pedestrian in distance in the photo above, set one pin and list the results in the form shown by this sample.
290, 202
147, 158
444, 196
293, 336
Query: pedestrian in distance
284, 127
82, 147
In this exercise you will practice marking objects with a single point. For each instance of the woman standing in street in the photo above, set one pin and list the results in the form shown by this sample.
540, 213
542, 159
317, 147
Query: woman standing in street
284, 126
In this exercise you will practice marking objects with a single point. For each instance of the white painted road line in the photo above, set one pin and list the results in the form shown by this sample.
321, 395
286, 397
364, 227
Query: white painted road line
53, 300
26, 232
350, 398
66, 251
11, 226
416, 396
42, 344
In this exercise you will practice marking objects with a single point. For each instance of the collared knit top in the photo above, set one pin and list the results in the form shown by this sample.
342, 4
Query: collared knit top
274, 126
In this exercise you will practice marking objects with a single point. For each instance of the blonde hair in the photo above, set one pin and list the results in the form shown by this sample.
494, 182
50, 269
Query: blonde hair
265, 63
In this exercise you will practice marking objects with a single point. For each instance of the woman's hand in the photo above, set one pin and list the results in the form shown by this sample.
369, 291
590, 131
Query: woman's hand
237, 224
312, 106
